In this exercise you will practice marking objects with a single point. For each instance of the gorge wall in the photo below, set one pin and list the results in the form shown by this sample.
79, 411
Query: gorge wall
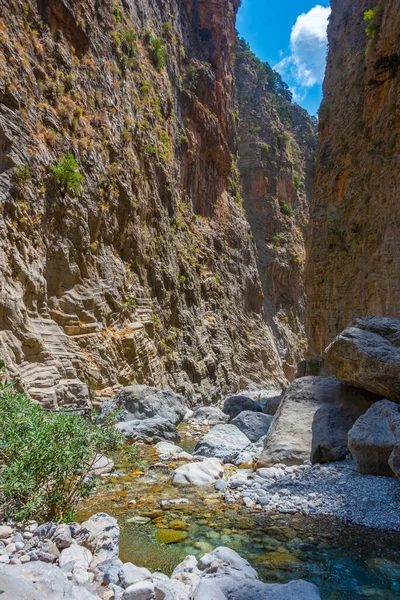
277, 144
144, 268
353, 267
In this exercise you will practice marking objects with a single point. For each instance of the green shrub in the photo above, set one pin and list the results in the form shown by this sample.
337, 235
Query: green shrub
286, 209
46, 457
117, 14
158, 53
67, 174
296, 181
372, 18
22, 175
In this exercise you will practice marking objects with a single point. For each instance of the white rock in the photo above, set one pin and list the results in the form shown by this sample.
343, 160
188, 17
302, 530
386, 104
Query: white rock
144, 590
131, 574
81, 557
5, 532
199, 473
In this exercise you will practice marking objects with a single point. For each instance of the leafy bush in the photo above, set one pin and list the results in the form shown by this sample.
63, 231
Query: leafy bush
158, 53
372, 18
286, 209
22, 175
296, 181
46, 457
67, 174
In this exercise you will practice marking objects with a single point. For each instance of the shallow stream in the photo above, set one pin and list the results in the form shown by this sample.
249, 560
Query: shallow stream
345, 562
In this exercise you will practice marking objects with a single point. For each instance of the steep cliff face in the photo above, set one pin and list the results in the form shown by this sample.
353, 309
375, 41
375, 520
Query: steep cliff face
277, 145
133, 263
354, 247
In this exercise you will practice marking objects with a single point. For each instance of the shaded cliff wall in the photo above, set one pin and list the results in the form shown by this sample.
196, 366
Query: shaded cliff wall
149, 273
277, 146
353, 266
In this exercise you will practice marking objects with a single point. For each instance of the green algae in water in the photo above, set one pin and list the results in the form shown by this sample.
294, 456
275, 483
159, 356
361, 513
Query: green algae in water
345, 562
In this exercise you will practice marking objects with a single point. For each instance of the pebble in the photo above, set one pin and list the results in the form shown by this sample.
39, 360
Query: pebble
221, 485
334, 489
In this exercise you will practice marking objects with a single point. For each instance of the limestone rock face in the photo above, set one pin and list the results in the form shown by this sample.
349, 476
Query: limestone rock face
277, 145
374, 437
353, 265
148, 273
367, 355
313, 421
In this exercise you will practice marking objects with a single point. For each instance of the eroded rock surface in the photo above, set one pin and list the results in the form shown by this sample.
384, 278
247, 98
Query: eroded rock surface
313, 421
367, 355
148, 273
224, 442
277, 145
374, 437
353, 264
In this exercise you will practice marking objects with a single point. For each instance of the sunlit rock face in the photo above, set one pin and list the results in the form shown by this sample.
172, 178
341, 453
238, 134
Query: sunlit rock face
149, 274
354, 248
277, 144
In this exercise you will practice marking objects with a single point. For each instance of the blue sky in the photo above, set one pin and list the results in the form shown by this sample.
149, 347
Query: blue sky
291, 36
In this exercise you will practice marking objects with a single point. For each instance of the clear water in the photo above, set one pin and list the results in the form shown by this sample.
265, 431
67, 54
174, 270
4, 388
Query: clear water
345, 562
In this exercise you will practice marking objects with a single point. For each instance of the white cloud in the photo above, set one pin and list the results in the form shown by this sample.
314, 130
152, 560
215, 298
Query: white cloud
308, 44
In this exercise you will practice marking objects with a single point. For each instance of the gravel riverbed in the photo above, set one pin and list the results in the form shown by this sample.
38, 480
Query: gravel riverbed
336, 490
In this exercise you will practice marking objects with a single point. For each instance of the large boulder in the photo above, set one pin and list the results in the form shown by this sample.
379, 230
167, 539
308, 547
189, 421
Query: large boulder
225, 574
39, 581
271, 405
151, 430
224, 442
313, 421
367, 355
234, 405
100, 534
253, 424
139, 402
374, 437
209, 415
199, 473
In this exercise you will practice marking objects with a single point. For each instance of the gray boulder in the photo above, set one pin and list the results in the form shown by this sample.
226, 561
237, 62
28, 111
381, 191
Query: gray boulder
199, 473
139, 402
241, 589
234, 405
253, 424
130, 574
224, 442
143, 590
150, 430
313, 421
62, 536
209, 415
100, 534
39, 581
228, 575
394, 460
110, 570
271, 405
367, 355
373, 438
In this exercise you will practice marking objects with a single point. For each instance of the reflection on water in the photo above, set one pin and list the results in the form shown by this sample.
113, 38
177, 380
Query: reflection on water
345, 562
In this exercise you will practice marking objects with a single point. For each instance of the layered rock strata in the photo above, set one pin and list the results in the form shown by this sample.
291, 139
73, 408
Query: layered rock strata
277, 146
353, 248
129, 261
